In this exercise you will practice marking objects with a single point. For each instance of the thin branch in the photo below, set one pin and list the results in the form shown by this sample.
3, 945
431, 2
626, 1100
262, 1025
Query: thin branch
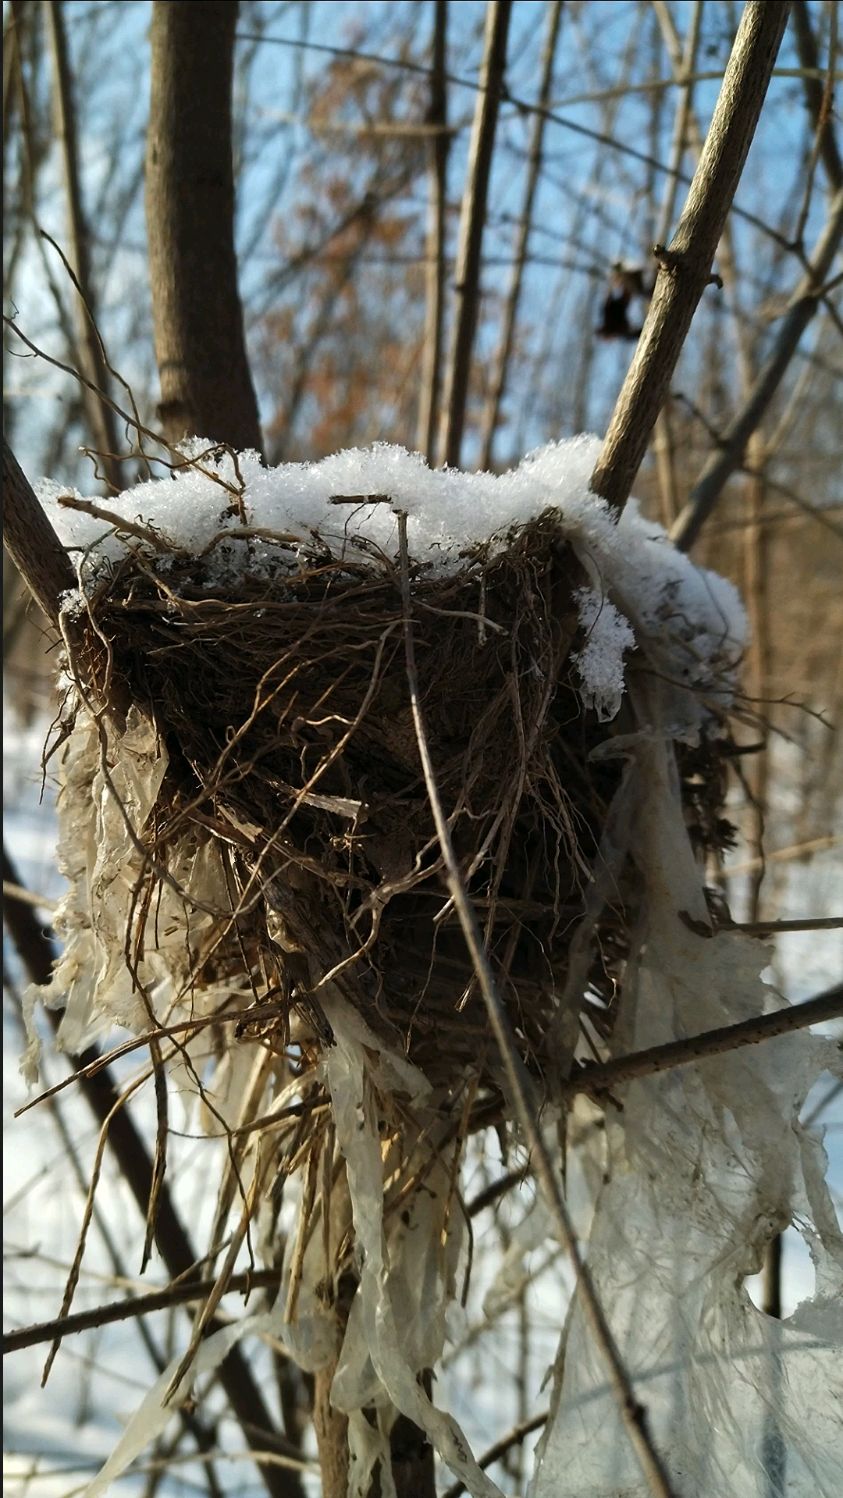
437, 208
467, 271
100, 413
729, 457
519, 1083
600, 1077
816, 95
494, 1453
491, 414
686, 265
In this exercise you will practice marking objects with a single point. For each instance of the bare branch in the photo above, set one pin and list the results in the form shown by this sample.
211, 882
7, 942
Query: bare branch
802, 307
437, 116
100, 413
494, 1453
491, 414
686, 265
815, 93
467, 271
206, 385
600, 1077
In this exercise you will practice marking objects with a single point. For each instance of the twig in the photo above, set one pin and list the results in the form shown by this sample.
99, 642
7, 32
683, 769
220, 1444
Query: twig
816, 95
467, 271
599, 1077
723, 463
491, 414
520, 1086
692, 249
123, 526
500, 1448
437, 115
100, 413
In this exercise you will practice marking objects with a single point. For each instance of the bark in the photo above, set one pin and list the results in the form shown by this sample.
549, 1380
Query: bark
686, 264
206, 384
31, 541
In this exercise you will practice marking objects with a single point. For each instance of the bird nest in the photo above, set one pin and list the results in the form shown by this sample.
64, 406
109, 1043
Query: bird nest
281, 707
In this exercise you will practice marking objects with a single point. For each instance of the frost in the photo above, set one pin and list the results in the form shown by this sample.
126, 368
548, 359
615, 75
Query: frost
600, 662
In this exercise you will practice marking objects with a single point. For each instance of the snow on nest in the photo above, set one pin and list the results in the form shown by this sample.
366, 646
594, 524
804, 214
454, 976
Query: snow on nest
654, 590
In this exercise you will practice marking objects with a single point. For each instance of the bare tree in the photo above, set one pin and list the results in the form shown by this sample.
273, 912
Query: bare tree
206, 384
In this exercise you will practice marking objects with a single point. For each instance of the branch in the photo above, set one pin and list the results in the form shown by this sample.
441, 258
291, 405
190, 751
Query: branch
815, 94
599, 1077
100, 413
686, 264
467, 272
493, 404
31, 541
35, 947
802, 307
438, 149
206, 384
501, 1447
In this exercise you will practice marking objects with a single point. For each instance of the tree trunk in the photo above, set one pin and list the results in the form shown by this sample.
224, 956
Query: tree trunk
206, 385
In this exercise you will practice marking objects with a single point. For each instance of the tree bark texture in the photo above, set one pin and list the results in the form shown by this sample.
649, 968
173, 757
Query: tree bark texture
686, 264
31, 541
206, 384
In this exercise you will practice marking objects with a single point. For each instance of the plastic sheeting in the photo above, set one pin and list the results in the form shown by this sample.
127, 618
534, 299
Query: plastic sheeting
707, 1163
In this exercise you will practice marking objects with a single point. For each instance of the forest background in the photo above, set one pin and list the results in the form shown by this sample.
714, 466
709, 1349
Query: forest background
351, 146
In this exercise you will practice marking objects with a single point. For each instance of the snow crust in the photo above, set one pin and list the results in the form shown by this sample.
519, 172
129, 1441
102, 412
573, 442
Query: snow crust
640, 586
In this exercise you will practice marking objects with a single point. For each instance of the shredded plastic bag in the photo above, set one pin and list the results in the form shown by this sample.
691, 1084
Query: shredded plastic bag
707, 1163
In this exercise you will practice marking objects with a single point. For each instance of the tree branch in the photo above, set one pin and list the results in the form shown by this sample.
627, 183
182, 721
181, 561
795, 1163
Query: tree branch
599, 1077
467, 272
686, 264
31, 541
438, 150
206, 384
100, 414
493, 404
729, 457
